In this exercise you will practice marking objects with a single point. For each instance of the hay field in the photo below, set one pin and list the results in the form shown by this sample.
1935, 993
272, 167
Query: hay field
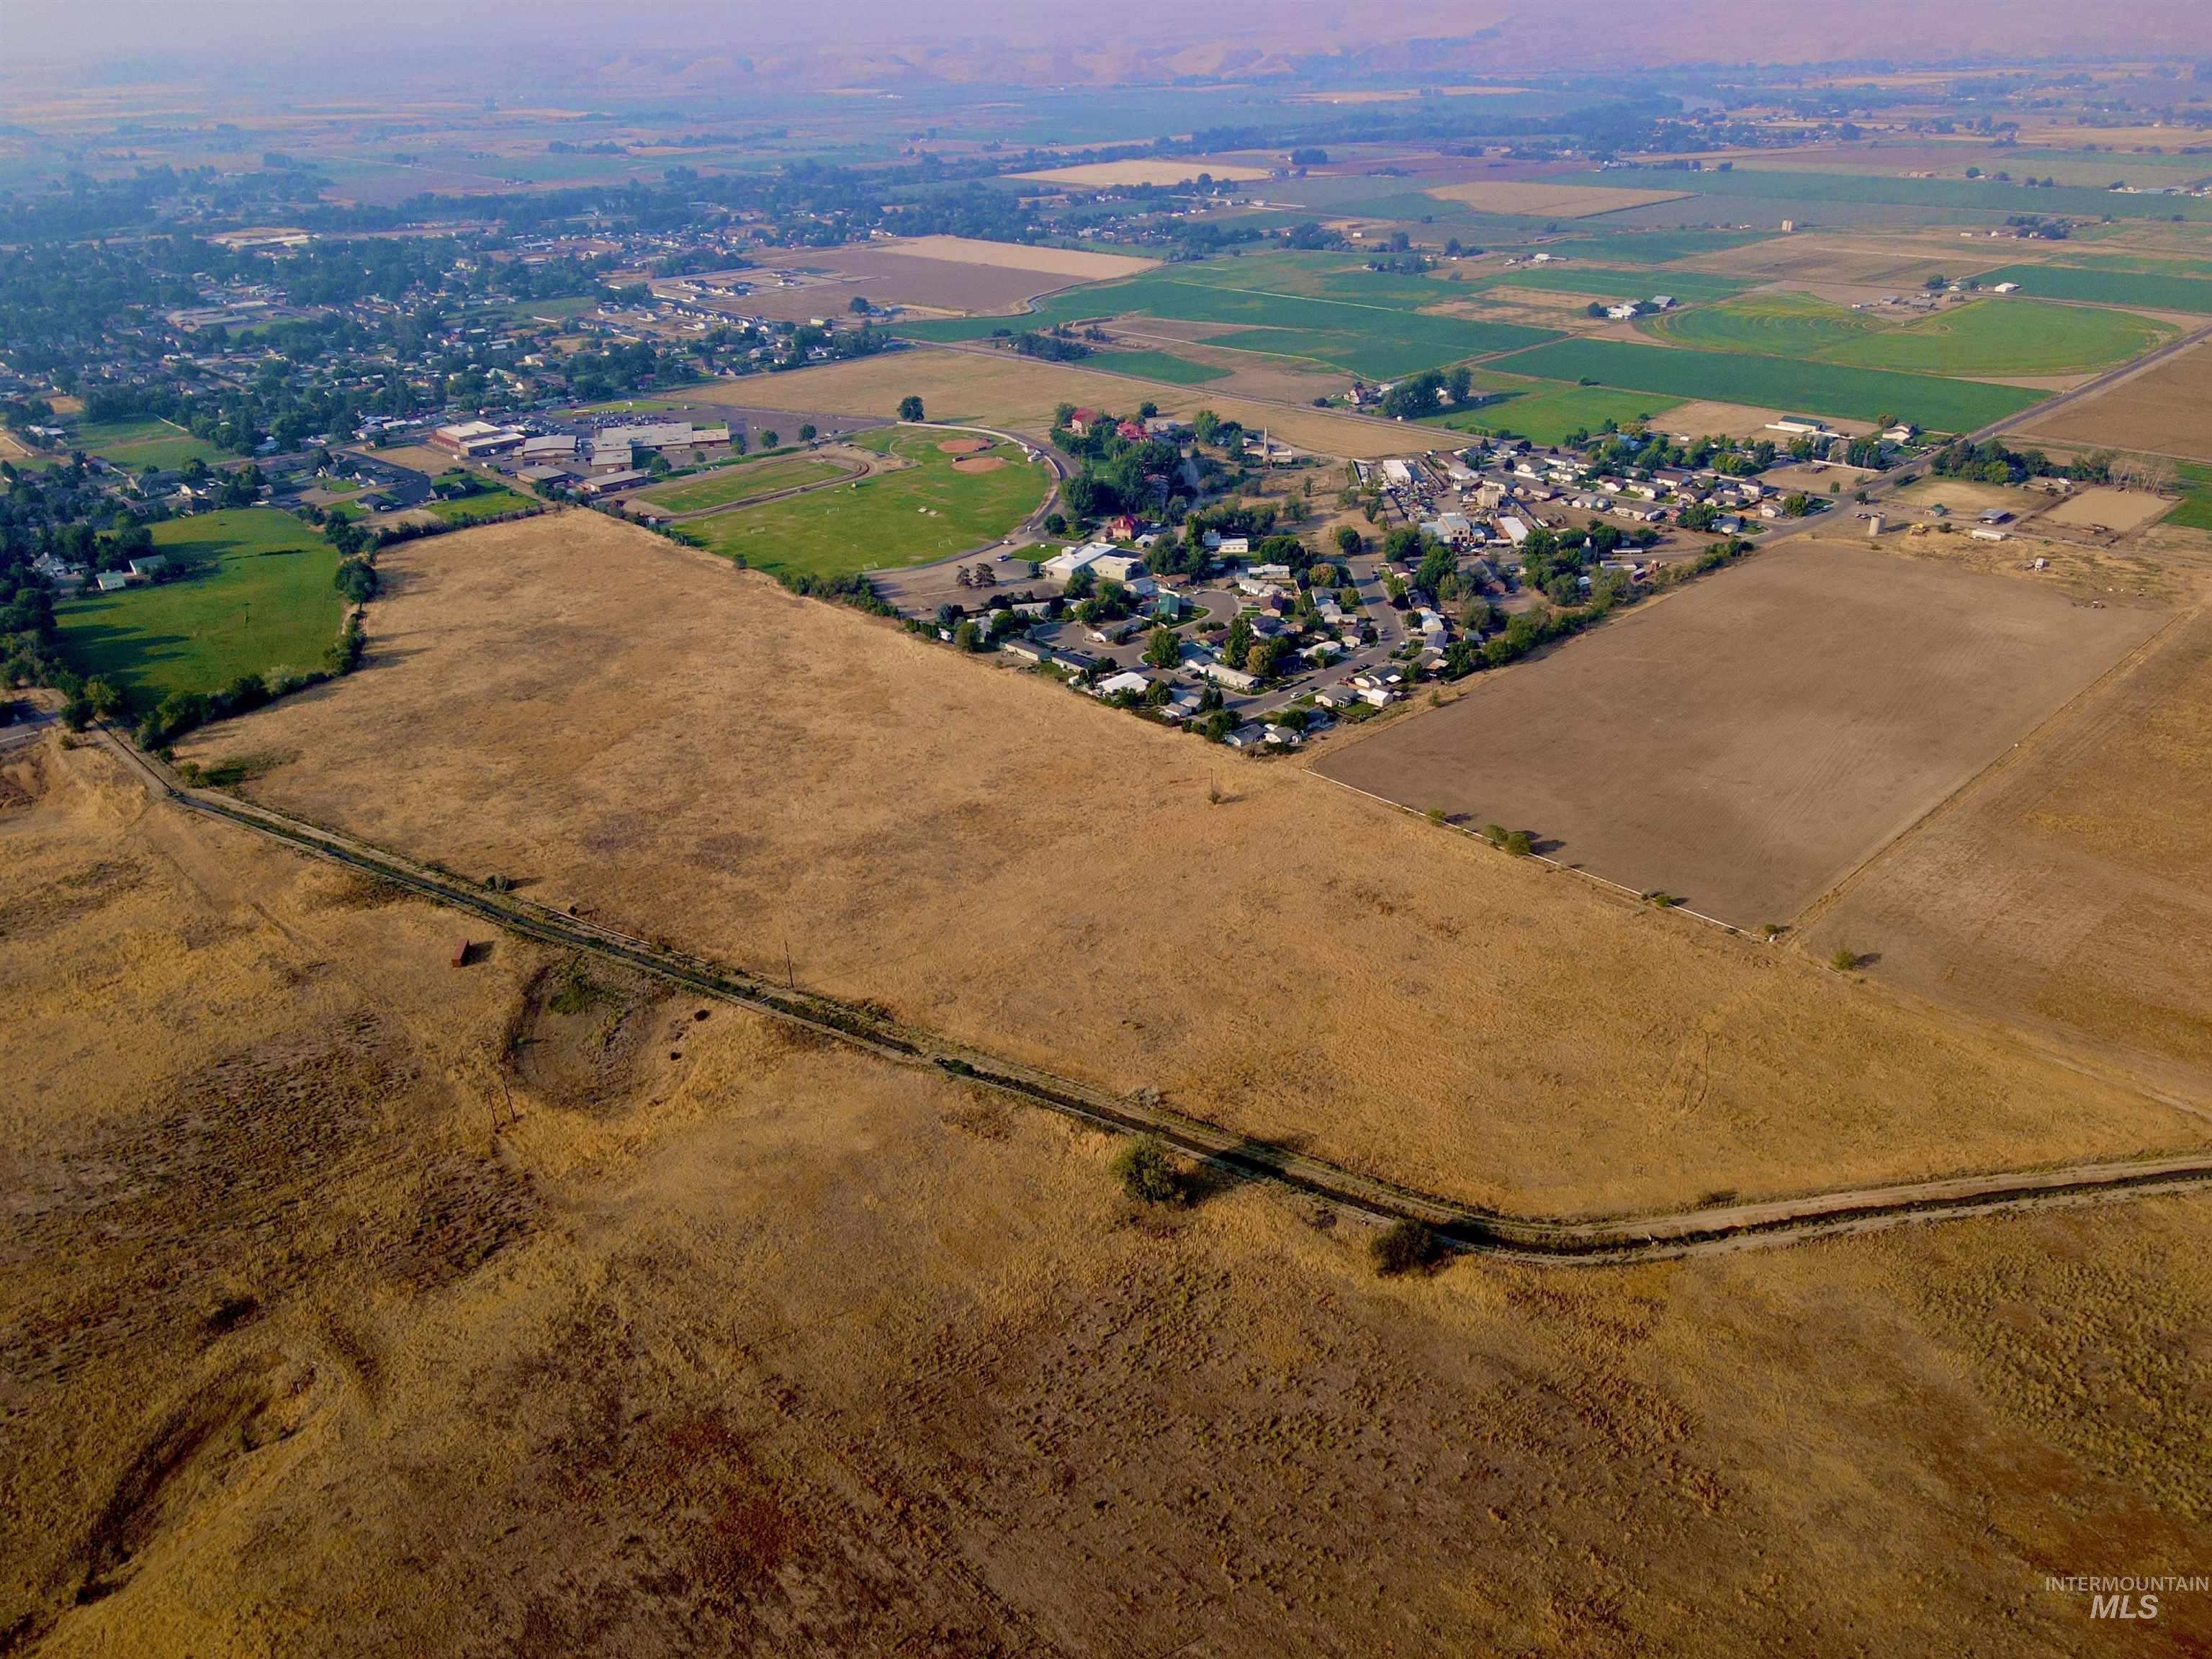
1743, 745
936, 273
1019, 394
2071, 889
769, 1349
694, 753
1539, 198
2165, 410
1701, 416
1105, 175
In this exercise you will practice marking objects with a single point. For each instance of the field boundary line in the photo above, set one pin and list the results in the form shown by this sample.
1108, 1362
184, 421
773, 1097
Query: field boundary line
1460, 1226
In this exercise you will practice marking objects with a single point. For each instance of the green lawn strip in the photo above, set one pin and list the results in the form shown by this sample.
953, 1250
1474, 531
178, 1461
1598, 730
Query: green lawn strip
2006, 335
467, 509
259, 598
1157, 366
2152, 290
2195, 512
1604, 282
881, 521
137, 444
1946, 195
1654, 247
1546, 412
733, 484
627, 405
1763, 382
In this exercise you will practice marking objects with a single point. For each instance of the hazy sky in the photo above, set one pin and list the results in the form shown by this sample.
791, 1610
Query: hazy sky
448, 39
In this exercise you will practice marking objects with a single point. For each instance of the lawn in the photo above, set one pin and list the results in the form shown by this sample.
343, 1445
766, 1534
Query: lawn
2158, 291
1736, 377
488, 504
1994, 336
924, 512
260, 597
726, 484
1546, 412
138, 444
1157, 366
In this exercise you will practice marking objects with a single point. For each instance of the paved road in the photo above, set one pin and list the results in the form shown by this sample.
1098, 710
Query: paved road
1463, 1227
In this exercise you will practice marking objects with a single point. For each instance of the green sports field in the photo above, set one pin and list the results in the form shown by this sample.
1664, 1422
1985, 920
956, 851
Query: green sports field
726, 484
1546, 412
260, 598
490, 504
1783, 383
138, 444
925, 511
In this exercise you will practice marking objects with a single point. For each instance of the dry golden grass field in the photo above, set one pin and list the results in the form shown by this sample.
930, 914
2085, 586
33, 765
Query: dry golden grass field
1743, 745
1020, 394
688, 751
937, 273
2165, 410
721, 1341
2071, 888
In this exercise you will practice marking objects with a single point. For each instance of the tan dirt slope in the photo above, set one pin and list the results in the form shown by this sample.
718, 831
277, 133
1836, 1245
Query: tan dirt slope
688, 752
728, 1342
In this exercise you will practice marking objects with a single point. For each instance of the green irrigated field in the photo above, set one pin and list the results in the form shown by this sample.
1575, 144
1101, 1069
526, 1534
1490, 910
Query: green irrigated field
2153, 290
733, 484
1830, 389
1158, 366
259, 598
1623, 246
2000, 336
926, 511
1774, 324
2007, 335
1546, 413
1381, 336
137, 444
1815, 190
1603, 282
2195, 512
490, 504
